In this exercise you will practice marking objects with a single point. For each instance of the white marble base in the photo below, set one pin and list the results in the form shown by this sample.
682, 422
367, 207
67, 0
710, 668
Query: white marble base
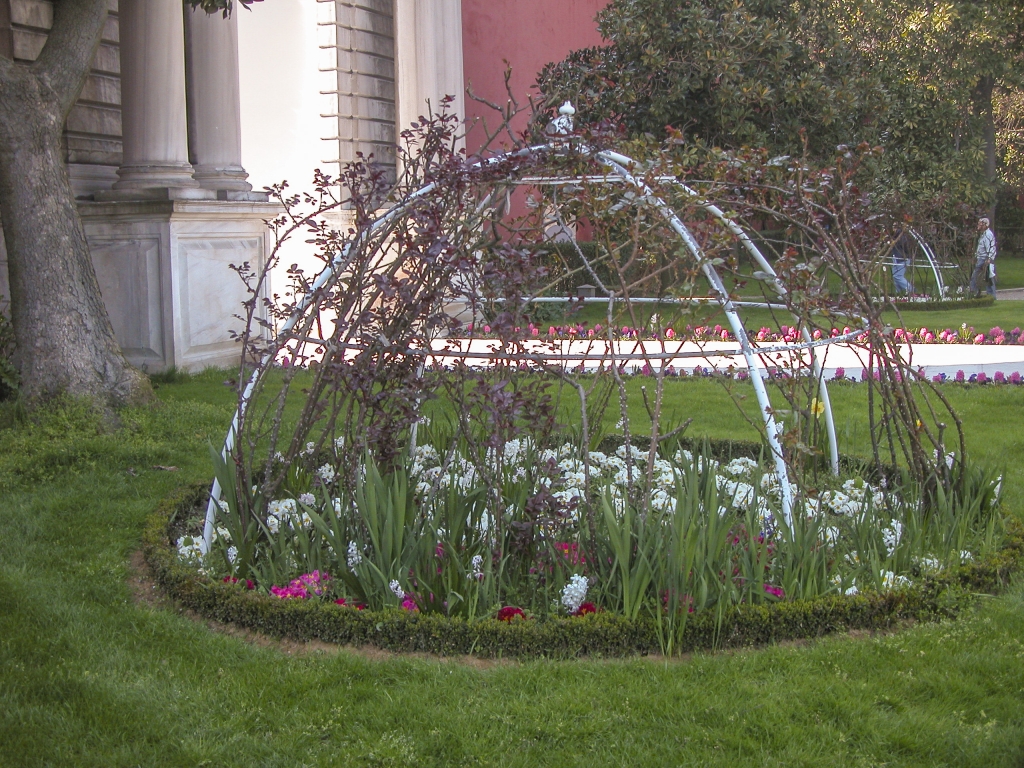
163, 269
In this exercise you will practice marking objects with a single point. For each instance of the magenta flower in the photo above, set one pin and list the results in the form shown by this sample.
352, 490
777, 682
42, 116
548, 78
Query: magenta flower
999, 378
840, 373
1015, 377
959, 377
774, 591
290, 592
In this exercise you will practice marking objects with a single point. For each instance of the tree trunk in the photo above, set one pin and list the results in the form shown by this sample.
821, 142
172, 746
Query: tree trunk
65, 342
983, 108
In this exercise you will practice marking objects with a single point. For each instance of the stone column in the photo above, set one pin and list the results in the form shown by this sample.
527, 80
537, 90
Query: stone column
153, 96
428, 54
214, 124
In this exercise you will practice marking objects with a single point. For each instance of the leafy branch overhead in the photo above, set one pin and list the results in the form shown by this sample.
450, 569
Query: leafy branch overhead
224, 6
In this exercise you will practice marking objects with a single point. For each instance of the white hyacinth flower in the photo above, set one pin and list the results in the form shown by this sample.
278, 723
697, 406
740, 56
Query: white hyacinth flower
326, 473
575, 592
891, 536
395, 587
476, 565
232, 554
353, 557
307, 498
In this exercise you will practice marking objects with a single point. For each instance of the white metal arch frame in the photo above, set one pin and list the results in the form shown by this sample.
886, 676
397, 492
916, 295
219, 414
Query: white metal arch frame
620, 166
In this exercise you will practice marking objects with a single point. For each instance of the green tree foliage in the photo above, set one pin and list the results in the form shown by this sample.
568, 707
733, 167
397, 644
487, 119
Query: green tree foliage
933, 83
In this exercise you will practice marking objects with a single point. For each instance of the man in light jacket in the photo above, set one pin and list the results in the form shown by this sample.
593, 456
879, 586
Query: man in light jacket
985, 255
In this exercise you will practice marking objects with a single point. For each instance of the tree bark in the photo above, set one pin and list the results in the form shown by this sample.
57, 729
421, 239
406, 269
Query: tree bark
983, 109
65, 342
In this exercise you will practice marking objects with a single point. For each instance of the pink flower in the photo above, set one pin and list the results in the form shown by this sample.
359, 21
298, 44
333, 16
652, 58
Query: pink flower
840, 373
487, 329
410, 605
1015, 377
982, 378
724, 334
979, 339
290, 592
551, 330
669, 333
232, 580
774, 591
959, 376
534, 331
357, 606
999, 378
817, 334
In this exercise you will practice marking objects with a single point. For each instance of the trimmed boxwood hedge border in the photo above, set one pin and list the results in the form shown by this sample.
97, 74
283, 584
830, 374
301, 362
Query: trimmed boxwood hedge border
600, 634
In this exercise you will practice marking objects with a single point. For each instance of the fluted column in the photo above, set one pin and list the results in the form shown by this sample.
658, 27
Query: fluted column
153, 122
214, 124
428, 54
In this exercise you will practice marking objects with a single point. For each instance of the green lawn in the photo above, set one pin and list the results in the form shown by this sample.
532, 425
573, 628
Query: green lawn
1010, 271
91, 677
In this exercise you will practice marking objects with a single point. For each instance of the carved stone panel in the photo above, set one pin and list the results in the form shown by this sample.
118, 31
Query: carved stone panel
128, 271
210, 293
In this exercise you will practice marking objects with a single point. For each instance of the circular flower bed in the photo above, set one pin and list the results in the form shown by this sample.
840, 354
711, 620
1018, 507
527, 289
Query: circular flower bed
307, 609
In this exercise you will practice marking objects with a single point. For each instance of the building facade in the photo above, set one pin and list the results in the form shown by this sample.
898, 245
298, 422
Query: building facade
183, 114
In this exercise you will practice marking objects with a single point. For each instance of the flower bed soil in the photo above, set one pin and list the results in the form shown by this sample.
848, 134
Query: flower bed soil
598, 634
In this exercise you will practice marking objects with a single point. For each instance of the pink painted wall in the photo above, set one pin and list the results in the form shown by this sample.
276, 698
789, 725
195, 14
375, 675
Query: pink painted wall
526, 33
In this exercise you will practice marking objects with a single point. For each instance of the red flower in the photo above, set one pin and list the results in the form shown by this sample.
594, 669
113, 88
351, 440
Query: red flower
586, 608
510, 612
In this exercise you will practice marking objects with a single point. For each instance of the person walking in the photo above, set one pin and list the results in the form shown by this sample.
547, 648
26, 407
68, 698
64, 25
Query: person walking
985, 259
900, 259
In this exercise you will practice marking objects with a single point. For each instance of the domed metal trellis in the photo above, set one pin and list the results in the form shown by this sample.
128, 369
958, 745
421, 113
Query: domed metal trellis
620, 170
